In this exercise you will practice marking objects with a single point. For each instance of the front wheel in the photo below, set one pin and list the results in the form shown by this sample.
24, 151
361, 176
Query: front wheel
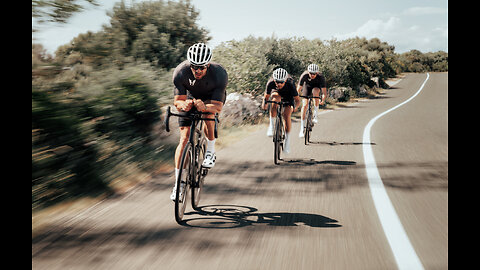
308, 125
277, 140
184, 176
200, 174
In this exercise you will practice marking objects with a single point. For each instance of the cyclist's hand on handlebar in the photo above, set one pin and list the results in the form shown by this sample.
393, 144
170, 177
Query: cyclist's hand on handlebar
185, 105
200, 105
264, 105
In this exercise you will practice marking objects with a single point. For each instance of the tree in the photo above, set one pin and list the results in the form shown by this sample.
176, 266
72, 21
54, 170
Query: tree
57, 10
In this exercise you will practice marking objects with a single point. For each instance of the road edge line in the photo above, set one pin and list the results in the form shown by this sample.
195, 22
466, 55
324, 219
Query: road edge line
402, 249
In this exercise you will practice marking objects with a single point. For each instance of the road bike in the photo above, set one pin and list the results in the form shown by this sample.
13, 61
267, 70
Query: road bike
309, 117
191, 161
279, 131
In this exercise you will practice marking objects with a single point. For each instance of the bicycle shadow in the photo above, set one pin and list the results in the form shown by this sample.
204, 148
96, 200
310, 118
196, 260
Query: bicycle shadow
236, 216
334, 143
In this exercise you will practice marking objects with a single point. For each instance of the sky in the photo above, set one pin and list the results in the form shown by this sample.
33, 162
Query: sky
406, 24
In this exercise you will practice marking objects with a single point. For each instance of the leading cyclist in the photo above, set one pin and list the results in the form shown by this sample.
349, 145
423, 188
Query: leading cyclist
310, 83
199, 85
281, 87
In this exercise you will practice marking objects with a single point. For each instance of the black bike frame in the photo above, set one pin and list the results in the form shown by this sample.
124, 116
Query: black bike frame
278, 138
308, 114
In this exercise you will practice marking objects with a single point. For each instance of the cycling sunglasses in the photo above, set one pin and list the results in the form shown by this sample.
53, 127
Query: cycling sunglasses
279, 82
198, 67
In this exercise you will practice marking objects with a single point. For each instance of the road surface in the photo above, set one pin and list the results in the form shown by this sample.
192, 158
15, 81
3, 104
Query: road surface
313, 211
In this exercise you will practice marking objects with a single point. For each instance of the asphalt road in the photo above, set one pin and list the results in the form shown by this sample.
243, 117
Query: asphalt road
313, 211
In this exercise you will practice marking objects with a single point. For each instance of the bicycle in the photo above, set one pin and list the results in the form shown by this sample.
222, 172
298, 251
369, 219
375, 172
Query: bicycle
309, 116
279, 131
191, 161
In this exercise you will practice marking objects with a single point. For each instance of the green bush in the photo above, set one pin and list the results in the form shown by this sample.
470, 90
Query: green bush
64, 162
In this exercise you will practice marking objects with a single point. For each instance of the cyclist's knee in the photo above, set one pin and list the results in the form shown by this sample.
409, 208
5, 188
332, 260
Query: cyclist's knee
184, 133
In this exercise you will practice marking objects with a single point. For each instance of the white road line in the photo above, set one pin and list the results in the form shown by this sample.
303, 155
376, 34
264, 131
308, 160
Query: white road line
402, 249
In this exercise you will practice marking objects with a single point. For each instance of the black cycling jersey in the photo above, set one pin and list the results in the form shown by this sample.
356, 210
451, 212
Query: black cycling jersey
308, 84
319, 80
211, 87
287, 92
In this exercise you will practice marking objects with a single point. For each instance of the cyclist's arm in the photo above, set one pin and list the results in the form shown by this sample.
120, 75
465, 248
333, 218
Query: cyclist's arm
214, 106
265, 98
299, 89
300, 83
297, 103
181, 103
324, 95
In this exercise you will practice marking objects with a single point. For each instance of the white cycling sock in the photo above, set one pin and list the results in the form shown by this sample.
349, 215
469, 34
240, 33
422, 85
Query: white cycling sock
211, 145
177, 171
272, 119
302, 124
315, 110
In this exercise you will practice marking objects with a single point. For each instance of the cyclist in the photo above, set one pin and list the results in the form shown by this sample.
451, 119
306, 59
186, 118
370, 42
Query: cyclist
281, 86
310, 83
198, 85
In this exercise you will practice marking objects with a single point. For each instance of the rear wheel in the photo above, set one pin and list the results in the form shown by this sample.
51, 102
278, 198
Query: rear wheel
184, 176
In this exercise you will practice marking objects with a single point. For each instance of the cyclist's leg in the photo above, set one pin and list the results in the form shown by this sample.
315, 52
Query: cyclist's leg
305, 92
287, 114
209, 126
184, 134
209, 129
277, 98
273, 112
316, 93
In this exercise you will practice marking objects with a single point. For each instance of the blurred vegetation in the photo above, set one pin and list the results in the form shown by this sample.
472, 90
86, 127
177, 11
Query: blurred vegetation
96, 103
57, 11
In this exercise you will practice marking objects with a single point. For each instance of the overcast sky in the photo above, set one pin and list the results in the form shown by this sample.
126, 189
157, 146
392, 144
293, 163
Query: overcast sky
405, 24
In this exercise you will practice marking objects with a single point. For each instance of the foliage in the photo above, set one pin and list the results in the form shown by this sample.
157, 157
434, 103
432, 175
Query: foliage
158, 32
247, 66
56, 11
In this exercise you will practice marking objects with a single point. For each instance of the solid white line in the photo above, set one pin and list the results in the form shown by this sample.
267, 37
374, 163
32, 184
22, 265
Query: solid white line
402, 249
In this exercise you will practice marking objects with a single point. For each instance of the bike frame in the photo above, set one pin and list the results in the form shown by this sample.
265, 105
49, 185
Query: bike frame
308, 115
196, 141
279, 132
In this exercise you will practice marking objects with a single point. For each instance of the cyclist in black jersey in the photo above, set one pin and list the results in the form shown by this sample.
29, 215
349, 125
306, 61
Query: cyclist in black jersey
310, 83
199, 85
281, 87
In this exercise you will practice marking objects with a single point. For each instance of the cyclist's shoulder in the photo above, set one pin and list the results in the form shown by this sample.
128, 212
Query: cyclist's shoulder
290, 79
304, 74
270, 81
217, 74
217, 69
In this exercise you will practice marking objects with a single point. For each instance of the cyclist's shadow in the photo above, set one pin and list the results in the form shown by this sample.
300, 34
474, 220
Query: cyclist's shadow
234, 216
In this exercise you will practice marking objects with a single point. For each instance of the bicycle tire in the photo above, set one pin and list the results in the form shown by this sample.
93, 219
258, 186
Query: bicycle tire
200, 174
185, 162
308, 123
277, 140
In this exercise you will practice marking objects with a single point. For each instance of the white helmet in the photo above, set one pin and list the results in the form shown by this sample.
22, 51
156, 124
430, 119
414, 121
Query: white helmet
313, 68
280, 74
199, 54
